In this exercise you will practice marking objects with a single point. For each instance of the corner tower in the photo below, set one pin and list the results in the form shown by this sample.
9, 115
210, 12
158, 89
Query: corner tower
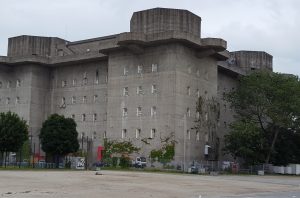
156, 73
162, 20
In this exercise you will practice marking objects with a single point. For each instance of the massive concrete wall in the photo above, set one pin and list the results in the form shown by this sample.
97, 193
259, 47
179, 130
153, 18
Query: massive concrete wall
78, 91
163, 99
251, 60
227, 82
162, 20
86, 80
195, 77
21, 46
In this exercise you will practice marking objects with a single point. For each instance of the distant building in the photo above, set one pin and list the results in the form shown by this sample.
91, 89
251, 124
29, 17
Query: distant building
137, 85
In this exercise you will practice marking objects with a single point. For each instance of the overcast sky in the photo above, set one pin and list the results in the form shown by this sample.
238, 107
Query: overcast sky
266, 25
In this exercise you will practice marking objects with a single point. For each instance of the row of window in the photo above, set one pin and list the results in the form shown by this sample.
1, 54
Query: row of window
139, 111
154, 68
139, 90
153, 112
140, 69
84, 117
64, 83
188, 135
8, 100
138, 133
9, 83
93, 136
74, 100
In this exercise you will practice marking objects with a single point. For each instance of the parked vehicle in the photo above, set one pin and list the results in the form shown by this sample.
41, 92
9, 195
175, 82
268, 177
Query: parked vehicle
139, 162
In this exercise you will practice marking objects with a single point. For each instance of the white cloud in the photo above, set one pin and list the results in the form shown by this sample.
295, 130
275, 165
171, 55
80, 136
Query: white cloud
270, 25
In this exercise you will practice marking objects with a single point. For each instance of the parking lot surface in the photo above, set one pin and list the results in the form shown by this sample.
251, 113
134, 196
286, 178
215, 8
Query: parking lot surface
116, 184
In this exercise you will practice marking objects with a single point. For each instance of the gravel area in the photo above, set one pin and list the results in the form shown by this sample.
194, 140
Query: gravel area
116, 184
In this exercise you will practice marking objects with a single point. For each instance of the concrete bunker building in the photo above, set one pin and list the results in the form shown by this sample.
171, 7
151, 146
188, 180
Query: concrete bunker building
137, 85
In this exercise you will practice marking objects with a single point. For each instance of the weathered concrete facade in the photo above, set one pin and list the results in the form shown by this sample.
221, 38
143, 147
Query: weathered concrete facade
137, 85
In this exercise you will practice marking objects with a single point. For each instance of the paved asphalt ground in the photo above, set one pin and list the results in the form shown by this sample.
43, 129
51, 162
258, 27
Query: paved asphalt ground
116, 184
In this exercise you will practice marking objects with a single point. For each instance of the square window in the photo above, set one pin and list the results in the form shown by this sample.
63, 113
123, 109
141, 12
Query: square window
139, 90
154, 68
153, 133
17, 100
125, 112
74, 82
63, 83
83, 117
97, 77
188, 112
18, 84
125, 91
94, 136
139, 111
153, 111
140, 69
197, 136
198, 93
188, 134
124, 133
198, 115
94, 117
153, 89
8, 84
137, 133
188, 91
95, 98
85, 79
73, 100
63, 102
84, 99
125, 71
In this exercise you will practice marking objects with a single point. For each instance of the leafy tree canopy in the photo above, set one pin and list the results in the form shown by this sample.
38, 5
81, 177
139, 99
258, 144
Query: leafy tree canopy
268, 101
246, 141
13, 132
112, 147
58, 135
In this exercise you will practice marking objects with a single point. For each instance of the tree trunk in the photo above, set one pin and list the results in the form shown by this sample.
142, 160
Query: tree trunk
272, 145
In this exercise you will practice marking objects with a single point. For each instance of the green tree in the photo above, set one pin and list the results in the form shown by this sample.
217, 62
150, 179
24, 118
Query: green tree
167, 151
58, 136
287, 148
114, 148
246, 141
269, 101
208, 115
13, 132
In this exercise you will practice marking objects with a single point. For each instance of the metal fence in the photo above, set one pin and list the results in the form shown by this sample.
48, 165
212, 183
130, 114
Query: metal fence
40, 165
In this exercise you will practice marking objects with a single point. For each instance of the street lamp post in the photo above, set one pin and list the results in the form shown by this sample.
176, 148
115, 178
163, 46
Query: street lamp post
33, 155
184, 142
87, 152
30, 149
82, 138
